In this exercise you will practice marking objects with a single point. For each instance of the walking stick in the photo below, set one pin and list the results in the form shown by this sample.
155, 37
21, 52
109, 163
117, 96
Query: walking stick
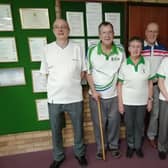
101, 128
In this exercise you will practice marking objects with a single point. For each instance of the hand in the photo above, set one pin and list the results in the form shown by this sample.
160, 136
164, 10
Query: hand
149, 105
96, 95
121, 108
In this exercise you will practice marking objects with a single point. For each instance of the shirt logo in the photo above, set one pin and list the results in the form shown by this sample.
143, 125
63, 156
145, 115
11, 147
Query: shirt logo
115, 59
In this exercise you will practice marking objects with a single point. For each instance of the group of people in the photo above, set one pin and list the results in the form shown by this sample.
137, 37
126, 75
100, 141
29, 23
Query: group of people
128, 85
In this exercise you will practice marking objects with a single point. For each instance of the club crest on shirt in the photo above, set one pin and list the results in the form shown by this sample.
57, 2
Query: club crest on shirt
115, 58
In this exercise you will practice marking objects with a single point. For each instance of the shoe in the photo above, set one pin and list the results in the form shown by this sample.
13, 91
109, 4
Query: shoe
153, 143
139, 153
56, 164
99, 156
115, 153
82, 161
130, 152
162, 155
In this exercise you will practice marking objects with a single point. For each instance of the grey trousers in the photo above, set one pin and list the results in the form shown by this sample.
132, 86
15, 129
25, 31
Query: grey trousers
163, 127
134, 120
154, 115
110, 123
56, 119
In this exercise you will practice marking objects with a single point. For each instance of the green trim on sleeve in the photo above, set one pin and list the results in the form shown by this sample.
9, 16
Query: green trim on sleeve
160, 76
89, 57
120, 80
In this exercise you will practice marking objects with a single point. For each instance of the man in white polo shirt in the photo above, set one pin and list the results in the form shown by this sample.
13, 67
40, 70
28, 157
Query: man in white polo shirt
64, 66
104, 60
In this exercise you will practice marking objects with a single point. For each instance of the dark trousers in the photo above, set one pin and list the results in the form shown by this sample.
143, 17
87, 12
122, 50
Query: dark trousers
134, 120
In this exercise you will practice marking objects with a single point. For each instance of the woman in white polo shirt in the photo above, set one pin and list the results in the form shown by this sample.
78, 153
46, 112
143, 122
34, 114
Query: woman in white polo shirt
134, 95
163, 111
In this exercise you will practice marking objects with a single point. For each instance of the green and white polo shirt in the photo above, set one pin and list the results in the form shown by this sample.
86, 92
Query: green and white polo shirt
163, 73
135, 81
104, 68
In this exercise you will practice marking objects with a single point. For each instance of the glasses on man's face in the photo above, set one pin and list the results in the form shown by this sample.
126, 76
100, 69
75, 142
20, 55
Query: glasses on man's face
61, 27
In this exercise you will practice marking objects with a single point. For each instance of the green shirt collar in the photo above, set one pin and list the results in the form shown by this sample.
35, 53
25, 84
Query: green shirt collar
113, 50
141, 61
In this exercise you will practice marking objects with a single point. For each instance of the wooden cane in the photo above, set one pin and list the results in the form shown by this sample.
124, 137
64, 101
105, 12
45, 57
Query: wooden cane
101, 128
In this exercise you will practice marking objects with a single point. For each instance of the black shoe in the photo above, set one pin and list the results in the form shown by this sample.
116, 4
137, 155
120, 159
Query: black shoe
130, 152
115, 153
56, 164
162, 155
139, 153
82, 161
99, 156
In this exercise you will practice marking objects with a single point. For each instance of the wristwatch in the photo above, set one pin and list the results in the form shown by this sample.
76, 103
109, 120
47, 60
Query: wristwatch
150, 98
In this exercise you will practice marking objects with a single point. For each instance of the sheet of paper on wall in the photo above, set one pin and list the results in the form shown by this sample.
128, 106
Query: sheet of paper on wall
93, 17
8, 52
92, 42
114, 18
76, 24
42, 109
39, 82
80, 42
36, 46
117, 41
6, 23
34, 18
12, 76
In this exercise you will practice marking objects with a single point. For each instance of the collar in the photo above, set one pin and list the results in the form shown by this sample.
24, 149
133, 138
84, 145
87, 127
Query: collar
112, 52
146, 44
141, 60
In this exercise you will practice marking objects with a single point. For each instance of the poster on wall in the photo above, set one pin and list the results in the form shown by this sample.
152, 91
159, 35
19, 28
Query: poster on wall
12, 77
75, 21
6, 21
8, 52
39, 81
42, 109
93, 17
36, 47
114, 19
81, 43
34, 18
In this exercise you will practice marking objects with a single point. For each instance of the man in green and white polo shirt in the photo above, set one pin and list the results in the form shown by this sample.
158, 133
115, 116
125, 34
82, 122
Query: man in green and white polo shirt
104, 60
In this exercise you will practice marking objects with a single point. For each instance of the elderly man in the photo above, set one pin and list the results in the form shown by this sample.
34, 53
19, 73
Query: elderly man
64, 66
154, 52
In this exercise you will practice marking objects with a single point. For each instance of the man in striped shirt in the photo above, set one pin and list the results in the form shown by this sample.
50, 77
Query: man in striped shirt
154, 52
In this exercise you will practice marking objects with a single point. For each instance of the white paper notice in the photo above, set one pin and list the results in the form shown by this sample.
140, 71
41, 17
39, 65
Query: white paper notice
114, 18
39, 81
80, 42
36, 46
92, 42
8, 51
12, 76
42, 109
75, 21
93, 18
6, 23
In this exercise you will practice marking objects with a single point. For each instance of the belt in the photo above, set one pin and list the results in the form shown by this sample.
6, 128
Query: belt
155, 83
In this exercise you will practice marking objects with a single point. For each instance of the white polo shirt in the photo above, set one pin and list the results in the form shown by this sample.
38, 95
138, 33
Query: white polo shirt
104, 69
135, 81
163, 73
63, 66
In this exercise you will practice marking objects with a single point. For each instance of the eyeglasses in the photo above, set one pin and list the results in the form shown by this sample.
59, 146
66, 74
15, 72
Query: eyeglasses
61, 27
